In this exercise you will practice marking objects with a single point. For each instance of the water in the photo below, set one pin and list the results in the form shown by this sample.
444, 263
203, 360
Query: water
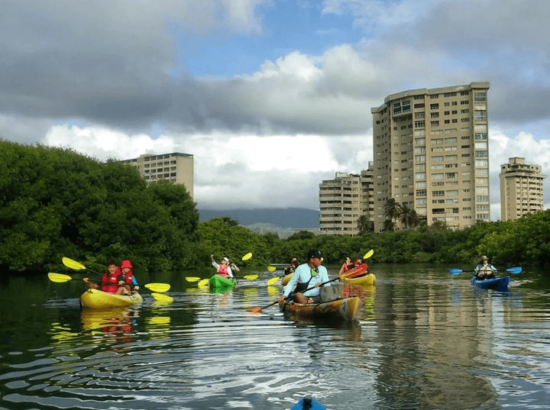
423, 339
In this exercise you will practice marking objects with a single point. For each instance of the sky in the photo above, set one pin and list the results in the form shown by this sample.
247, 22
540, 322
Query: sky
271, 97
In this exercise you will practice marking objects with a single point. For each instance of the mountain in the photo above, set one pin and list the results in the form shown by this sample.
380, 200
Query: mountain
294, 218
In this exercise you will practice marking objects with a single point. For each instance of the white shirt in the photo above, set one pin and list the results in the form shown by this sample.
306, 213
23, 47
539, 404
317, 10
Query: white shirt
303, 275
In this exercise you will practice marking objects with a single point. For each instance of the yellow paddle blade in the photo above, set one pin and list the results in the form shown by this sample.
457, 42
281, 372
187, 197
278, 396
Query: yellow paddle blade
271, 268
204, 283
192, 279
368, 254
162, 298
158, 287
251, 277
273, 281
69, 263
247, 256
59, 277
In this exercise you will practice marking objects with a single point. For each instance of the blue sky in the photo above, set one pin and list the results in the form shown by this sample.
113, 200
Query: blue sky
287, 26
270, 96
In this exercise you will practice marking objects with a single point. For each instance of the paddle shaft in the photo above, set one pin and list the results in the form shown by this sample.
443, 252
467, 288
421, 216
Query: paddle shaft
289, 297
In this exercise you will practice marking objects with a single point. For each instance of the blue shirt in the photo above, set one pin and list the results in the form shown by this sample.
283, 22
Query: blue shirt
303, 275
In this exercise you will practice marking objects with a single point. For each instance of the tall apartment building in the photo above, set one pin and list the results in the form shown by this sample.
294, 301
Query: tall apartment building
343, 200
176, 167
431, 153
521, 189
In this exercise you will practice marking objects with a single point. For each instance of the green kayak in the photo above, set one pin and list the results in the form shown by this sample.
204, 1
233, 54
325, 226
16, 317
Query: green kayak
218, 281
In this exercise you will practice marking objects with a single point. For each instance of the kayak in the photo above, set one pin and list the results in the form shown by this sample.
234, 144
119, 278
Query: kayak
97, 299
500, 284
217, 281
364, 280
286, 279
308, 403
341, 309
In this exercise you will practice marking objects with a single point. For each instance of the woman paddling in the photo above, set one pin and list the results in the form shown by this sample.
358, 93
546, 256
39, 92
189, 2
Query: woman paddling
484, 270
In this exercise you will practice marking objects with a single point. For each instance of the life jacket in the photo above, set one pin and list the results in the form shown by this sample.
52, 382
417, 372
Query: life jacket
223, 270
302, 286
109, 283
128, 278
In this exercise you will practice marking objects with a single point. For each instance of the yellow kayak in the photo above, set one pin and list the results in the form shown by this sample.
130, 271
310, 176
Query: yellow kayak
97, 299
287, 278
364, 280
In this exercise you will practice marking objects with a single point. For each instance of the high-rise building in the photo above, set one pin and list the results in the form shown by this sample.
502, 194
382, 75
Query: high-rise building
176, 167
344, 204
431, 153
521, 189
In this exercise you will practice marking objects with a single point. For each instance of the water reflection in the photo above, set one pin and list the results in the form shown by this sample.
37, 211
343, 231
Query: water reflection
420, 340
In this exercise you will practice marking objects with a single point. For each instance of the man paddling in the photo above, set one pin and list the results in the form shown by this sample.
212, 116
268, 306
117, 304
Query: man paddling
308, 275
484, 270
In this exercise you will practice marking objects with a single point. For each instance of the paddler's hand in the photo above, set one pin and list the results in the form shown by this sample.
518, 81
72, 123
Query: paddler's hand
282, 299
85, 279
318, 284
120, 283
136, 288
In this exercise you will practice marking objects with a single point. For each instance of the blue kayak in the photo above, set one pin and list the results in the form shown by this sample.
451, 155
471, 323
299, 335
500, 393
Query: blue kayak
307, 403
500, 284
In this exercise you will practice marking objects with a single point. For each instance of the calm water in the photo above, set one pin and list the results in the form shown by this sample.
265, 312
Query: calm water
422, 340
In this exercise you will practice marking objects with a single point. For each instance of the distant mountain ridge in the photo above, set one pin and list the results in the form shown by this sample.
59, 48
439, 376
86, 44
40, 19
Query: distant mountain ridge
294, 218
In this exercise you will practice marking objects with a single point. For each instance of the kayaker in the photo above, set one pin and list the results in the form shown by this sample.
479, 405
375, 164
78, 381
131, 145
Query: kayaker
484, 270
224, 268
346, 266
360, 263
129, 282
293, 264
308, 275
109, 281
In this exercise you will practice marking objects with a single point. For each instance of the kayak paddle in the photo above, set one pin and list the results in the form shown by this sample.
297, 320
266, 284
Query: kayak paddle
515, 270
72, 264
250, 277
247, 256
258, 309
192, 279
273, 281
59, 277
271, 268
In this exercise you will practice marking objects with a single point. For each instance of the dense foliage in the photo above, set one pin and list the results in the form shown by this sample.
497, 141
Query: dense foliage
55, 202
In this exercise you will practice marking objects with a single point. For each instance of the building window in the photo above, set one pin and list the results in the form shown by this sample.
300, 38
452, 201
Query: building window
481, 154
419, 124
480, 96
435, 123
434, 106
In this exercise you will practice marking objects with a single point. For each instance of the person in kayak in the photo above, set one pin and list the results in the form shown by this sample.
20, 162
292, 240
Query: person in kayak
293, 264
224, 268
484, 270
346, 266
308, 275
360, 263
111, 281
129, 282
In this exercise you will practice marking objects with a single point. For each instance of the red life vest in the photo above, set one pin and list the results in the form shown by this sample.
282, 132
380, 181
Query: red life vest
128, 277
109, 283
223, 270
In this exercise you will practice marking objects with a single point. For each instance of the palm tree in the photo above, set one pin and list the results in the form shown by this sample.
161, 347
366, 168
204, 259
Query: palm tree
392, 210
364, 225
388, 225
408, 217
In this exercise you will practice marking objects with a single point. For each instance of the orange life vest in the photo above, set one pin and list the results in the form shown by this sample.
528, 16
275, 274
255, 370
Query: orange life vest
109, 283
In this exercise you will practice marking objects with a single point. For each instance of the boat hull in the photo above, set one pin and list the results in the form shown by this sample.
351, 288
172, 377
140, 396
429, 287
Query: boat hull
499, 284
364, 280
217, 281
308, 404
97, 299
339, 309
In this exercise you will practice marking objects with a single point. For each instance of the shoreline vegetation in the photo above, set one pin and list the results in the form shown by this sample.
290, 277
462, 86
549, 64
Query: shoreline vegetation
55, 202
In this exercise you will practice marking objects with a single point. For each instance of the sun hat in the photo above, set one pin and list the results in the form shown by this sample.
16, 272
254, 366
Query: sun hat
126, 264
